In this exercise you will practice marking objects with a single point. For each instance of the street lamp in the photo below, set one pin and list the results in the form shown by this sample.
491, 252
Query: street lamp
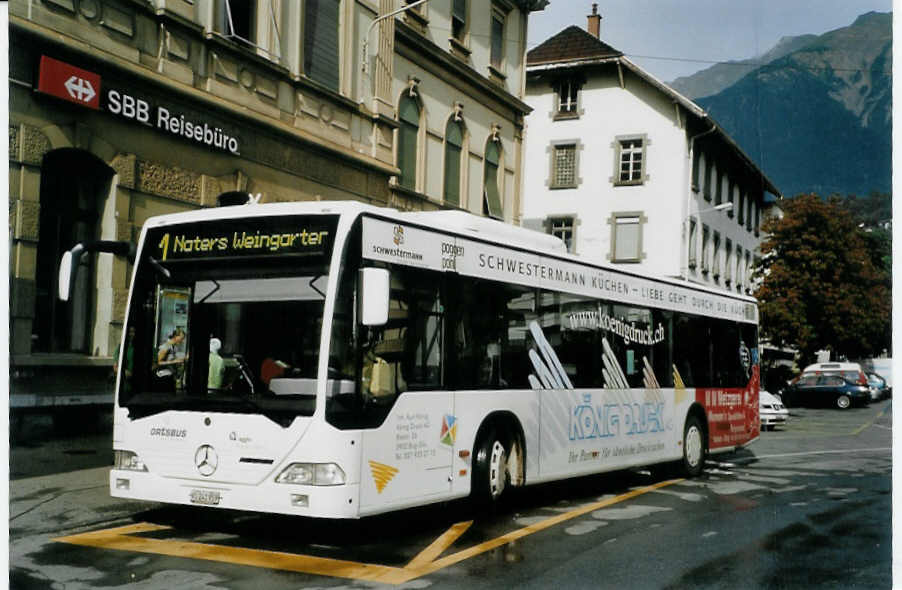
722, 207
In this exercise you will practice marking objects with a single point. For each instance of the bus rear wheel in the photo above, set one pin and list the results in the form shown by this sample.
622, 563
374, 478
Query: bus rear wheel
694, 446
490, 470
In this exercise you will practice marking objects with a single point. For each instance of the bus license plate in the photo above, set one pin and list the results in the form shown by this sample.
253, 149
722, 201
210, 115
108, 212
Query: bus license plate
205, 497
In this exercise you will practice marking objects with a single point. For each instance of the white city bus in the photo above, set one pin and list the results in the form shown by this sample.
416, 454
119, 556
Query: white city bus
341, 360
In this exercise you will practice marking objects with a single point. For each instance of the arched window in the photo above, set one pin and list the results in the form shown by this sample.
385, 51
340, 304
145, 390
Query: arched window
408, 133
492, 204
454, 139
73, 186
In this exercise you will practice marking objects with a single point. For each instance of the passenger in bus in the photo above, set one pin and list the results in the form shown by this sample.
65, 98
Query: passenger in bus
216, 369
382, 379
272, 369
166, 353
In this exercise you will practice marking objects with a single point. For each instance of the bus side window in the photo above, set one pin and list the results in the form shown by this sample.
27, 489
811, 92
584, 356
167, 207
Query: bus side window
423, 354
488, 334
384, 346
519, 311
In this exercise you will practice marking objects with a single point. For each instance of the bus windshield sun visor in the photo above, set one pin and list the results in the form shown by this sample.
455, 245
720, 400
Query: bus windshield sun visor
250, 290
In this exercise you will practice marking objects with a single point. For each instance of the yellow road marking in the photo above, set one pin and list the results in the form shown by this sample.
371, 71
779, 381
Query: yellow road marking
534, 528
861, 428
114, 539
431, 553
426, 562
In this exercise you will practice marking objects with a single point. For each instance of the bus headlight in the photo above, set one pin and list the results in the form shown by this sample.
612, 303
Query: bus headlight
316, 474
128, 461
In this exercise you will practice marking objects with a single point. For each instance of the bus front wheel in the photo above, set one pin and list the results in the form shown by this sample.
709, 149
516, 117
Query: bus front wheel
490, 470
693, 447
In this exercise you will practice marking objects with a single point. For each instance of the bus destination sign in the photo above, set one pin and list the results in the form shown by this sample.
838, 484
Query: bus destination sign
258, 237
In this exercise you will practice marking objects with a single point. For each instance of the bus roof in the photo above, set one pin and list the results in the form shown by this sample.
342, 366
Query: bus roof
450, 221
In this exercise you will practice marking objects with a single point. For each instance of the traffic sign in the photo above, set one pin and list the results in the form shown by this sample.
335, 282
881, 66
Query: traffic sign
68, 82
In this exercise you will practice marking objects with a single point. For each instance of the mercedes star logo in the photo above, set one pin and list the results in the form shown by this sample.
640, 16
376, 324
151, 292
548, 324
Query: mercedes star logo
206, 460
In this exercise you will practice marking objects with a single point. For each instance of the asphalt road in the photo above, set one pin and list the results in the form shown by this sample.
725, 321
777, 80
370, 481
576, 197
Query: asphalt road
805, 506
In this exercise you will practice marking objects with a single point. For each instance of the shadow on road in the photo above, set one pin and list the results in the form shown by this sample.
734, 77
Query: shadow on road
44, 444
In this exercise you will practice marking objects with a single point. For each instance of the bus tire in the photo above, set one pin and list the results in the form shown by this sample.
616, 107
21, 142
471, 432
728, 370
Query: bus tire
490, 469
694, 447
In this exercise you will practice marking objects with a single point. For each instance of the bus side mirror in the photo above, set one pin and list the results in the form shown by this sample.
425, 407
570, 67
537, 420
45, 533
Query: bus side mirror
71, 259
68, 270
374, 295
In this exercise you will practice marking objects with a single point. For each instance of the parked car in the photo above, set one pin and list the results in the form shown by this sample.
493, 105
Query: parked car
879, 388
771, 410
848, 371
826, 390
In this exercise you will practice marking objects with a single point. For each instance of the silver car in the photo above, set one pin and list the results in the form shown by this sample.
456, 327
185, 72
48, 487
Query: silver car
771, 410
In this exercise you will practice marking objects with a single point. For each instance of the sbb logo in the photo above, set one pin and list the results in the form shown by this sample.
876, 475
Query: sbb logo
128, 106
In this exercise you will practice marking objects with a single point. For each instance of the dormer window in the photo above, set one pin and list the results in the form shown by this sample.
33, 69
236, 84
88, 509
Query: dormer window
568, 98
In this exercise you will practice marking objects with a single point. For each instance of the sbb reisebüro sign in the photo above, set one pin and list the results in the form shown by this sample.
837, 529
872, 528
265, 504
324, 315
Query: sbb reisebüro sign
83, 87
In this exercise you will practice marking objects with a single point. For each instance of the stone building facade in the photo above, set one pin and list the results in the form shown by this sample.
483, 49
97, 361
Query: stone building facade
120, 110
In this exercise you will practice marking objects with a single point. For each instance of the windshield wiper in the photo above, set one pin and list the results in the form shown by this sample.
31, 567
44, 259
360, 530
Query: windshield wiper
159, 267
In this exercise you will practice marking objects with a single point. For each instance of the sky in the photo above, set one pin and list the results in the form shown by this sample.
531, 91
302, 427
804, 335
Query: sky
672, 38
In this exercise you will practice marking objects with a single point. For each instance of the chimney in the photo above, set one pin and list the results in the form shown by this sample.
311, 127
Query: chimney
594, 26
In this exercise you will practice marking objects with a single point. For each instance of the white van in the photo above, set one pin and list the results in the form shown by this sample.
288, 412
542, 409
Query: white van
849, 371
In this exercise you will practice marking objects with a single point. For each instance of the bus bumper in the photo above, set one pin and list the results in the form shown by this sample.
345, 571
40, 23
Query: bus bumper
338, 501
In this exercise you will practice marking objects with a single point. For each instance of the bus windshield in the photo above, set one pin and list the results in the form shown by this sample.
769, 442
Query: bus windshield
227, 317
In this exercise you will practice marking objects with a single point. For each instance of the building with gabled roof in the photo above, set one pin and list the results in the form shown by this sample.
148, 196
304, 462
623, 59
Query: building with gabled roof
627, 171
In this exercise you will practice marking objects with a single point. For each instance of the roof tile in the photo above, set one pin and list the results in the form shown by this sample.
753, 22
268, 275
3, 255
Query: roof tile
571, 44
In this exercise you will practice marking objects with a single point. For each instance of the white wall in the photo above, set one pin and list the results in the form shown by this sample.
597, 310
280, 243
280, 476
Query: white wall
665, 198
609, 111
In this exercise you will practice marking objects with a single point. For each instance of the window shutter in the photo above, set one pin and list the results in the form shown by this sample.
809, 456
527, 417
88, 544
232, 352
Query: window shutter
459, 10
693, 256
731, 197
716, 265
453, 143
492, 194
696, 155
718, 189
627, 244
564, 173
728, 262
321, 41
497, 48
408, 134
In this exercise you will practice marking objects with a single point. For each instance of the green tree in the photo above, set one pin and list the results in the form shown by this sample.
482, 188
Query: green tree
820, 288
871, 213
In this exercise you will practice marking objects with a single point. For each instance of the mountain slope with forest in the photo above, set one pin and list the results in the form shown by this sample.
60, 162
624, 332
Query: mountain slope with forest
819, 118
723, 75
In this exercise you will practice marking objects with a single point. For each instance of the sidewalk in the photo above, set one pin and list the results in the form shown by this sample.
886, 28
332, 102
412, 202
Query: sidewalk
49, 504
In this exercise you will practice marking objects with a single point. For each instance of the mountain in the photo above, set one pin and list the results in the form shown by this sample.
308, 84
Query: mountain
720, 76
819, 119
